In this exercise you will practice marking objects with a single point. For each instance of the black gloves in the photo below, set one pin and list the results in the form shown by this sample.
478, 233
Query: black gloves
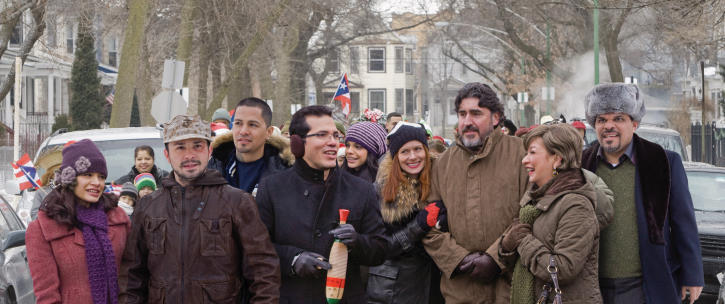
480, 266
309, 265
428, 217
346, 234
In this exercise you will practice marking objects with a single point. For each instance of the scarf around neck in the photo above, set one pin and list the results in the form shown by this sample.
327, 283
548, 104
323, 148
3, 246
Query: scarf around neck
100, 258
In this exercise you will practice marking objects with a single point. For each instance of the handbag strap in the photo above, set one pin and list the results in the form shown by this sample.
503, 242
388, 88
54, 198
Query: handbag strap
554, 273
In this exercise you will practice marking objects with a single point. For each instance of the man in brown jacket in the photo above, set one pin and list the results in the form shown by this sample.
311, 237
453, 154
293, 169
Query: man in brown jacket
480, 180
197, 239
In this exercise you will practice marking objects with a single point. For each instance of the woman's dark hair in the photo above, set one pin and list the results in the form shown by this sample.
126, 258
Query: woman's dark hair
298, 125
486, 97
60, 204
146, 148
371, 166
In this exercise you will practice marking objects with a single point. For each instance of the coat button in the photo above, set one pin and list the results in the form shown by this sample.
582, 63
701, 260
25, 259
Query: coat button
318, 233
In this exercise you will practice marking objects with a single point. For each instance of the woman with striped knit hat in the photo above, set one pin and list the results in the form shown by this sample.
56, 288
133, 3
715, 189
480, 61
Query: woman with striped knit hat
364, 145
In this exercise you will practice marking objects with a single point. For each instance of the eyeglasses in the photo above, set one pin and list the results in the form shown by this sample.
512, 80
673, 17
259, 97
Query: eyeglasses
336, 136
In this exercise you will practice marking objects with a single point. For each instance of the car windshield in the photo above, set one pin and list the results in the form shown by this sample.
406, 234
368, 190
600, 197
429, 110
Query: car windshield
707, 190
119, 155
7, 221
667, 141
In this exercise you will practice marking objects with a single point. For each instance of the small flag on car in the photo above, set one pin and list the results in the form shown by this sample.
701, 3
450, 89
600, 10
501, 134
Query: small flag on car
25, 173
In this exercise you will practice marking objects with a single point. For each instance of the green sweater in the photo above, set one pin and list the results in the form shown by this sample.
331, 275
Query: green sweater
619, 243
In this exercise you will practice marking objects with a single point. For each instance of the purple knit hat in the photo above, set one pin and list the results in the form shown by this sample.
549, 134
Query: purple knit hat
370, 135
80, 157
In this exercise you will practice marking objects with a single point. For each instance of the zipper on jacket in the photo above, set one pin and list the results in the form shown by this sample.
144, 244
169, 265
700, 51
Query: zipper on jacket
181, 248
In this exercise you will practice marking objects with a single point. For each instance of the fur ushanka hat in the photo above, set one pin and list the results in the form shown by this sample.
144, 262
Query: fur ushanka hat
614, 98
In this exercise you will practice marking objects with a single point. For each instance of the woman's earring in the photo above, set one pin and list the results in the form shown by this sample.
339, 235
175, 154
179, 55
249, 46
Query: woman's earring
555, 172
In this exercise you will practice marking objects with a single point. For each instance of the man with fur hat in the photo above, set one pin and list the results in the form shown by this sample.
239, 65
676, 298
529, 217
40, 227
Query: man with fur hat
250, 151
196, 239
650, 253
481, 180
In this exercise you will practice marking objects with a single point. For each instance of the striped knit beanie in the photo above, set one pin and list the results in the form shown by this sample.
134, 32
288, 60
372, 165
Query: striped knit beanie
145, 180
370, 135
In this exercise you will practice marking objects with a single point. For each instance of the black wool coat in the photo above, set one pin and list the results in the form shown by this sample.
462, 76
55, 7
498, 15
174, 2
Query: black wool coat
299, 208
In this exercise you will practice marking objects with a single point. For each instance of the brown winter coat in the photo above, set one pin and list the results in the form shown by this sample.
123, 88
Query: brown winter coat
201, 243
567, 229
481, 191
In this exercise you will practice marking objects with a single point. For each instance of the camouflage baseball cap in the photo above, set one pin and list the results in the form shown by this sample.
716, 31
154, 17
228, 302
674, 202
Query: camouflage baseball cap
186, 126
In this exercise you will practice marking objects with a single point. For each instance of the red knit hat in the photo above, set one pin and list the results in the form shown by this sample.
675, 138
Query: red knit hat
579, 125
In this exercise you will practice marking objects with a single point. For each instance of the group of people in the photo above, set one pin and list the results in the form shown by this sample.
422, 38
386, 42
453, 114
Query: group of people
250, 216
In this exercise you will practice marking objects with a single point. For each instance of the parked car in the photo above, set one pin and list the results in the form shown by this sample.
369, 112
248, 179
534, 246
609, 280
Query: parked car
16, 285
667, 138
116, 144
707, 188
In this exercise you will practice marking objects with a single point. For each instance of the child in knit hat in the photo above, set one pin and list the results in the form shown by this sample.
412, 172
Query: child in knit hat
128, 197
145, 184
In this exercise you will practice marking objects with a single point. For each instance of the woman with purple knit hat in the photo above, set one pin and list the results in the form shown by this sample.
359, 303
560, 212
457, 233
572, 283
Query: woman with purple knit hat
364, 145
74, 247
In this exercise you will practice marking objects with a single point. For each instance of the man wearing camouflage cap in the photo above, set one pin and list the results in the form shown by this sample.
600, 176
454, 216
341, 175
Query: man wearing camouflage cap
650, 253
197, 239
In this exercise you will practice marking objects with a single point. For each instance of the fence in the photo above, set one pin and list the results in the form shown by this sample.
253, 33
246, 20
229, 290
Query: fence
33, 130
714, 144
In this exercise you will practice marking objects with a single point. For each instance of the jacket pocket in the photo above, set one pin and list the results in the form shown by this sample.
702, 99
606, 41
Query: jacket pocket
157, 292
215, 236
220, 292
381, 283
156, 235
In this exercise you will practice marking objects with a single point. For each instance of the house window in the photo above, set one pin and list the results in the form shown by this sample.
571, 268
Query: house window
376, 99
398, 59
113, 52
408, 61
409, 102
355, 100
399, 101
334, 61
376, 60
50, 32
17, 36
69, 38
354, 59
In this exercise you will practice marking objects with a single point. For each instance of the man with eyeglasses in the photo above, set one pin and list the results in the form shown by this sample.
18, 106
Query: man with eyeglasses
300, 208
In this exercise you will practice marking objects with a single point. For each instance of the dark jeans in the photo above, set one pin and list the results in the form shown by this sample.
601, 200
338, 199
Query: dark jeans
622, 291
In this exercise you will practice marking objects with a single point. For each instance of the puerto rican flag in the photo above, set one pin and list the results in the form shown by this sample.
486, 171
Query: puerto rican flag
25, 173
113, 188
343, 95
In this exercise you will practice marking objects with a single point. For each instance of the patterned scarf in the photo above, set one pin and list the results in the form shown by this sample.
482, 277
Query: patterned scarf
100, 259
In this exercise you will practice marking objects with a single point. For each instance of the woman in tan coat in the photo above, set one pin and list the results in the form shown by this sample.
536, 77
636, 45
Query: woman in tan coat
557, 228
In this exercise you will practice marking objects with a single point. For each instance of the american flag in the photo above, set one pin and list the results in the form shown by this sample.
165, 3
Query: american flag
25, 173
109, 98
343, 95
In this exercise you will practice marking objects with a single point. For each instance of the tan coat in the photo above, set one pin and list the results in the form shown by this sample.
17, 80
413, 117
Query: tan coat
567, 229
481, 192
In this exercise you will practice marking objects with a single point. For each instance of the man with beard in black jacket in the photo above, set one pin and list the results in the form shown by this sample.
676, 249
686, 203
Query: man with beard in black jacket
300, 208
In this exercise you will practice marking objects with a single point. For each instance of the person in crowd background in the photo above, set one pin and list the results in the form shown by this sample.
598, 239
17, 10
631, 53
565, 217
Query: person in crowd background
561, 203
651, 251
196, 239
221, 115
508, 128
436, 147
74, 247
403, 182
128, 197
364, 146
145, 184
302, 219
50, 161
392, 119
143, 157
480, 179
250, 152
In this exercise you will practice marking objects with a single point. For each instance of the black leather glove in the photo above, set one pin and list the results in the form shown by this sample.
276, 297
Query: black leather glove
442, 224
310, 265
346, 234
480, 266
428, 217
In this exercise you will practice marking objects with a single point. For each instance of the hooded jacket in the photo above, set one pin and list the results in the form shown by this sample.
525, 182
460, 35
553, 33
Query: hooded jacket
407, 275
157, 172
197, 244
277, 155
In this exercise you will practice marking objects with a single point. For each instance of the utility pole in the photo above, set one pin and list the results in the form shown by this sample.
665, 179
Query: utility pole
596, 42
548, 71
702, 126
16, 115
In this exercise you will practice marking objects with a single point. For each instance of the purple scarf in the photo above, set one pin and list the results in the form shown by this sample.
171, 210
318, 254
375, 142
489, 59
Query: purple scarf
100, 259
